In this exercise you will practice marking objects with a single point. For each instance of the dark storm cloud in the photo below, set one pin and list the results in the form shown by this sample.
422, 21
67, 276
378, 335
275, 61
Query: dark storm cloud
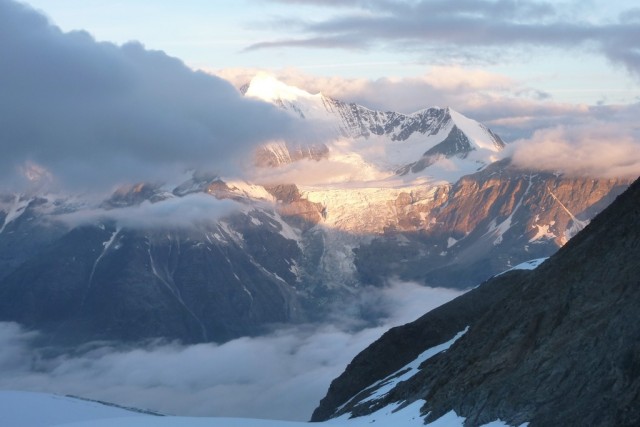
99, 114
469, 24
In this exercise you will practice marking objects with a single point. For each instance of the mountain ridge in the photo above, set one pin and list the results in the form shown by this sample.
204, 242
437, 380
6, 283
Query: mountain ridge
558, 347
228, 257
422, 130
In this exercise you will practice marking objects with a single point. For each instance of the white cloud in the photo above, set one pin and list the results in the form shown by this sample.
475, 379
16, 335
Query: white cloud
94, 115
337, 169
601, 149
175, 212
281, 375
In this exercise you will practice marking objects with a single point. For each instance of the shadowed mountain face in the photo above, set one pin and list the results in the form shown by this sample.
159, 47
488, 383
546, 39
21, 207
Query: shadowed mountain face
554, 346
100, 283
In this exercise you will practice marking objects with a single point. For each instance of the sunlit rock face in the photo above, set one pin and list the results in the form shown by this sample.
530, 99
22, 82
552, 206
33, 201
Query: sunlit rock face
491, 220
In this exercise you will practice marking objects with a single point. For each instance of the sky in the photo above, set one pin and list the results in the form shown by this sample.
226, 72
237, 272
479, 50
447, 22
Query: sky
96, 94
99, 94
574, 51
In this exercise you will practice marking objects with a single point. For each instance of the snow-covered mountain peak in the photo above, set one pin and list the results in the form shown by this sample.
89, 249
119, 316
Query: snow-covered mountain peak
268, 88
478, 133
437, 142
290, 98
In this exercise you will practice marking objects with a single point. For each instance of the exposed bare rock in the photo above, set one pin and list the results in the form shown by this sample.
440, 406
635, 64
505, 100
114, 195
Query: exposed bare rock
400, 345
554, 346
298, 211
484, 224
129, 195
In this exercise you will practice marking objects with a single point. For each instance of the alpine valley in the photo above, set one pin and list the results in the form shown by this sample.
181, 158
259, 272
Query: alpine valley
557, 345
429, 197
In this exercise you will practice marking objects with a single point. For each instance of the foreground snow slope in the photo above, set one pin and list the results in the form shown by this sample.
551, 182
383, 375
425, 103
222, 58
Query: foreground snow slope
26, 409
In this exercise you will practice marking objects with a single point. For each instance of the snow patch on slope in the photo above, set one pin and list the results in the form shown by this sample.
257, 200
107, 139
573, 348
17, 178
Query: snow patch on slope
527, 265
15, 210
451, 419
385, 385
543, 232
27, 409
250, 191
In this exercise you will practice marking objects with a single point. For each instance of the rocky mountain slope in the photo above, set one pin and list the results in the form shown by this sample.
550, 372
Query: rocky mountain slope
554, 346
440, 207
103, 281
483, 224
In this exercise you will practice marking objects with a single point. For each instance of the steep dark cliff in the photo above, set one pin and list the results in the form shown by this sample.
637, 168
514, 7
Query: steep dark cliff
556, 346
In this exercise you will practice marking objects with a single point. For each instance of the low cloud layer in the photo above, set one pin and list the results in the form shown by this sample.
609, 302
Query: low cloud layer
95, 114
327, 171
282, 375
175, 212
600, 149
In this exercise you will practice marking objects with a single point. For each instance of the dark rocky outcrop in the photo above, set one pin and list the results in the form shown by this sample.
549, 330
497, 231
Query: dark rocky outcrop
556, 346
298, 211
131, 195
455, 144
402, 344
23, 236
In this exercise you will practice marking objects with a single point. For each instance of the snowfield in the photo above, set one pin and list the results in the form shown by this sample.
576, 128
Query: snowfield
27, 409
